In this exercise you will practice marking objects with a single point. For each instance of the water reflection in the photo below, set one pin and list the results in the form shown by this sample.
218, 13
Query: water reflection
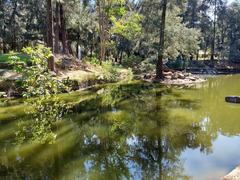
129, 131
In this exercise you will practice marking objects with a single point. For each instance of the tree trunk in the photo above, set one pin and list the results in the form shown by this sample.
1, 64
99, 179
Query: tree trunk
92, 45
63, 30
12, 24
197, 55
57, 18
51, 64
214, 32
2, 27
101, 6
159, 65
121, 57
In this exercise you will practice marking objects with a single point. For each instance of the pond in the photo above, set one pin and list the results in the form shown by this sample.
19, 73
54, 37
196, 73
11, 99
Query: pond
131, 131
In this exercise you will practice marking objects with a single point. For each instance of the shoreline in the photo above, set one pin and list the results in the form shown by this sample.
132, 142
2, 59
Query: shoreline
175, 78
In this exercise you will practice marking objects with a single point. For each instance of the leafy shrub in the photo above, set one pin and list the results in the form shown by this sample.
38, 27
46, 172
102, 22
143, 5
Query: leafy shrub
93, 60
132, 61
109, 72
37, 80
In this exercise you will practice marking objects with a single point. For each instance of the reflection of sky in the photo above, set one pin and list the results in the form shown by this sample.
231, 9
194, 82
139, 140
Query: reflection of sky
225, 158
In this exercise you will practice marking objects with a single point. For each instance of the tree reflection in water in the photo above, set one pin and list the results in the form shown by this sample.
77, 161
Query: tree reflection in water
125, 131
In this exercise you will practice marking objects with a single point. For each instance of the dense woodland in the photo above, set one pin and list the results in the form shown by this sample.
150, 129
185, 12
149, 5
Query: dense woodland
121, 30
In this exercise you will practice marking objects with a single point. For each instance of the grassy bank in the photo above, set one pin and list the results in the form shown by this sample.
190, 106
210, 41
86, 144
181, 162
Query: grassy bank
6, 58
73, 73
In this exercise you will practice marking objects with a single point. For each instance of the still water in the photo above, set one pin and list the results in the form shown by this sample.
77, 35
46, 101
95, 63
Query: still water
131, 131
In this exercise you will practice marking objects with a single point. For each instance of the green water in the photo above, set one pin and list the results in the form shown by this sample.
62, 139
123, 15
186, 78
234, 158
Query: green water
131, 131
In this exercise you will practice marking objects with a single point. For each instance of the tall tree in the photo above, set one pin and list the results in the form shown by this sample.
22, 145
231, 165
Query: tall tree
214, 30
159, 66
51, 62
102, 29
2, 27
63, 29
57, 27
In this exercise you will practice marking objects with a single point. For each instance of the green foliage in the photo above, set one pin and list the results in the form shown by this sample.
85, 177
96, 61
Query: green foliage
21, 23
36, 79
132, 61
40, 89
180, 40
7, 57
93, 60
109, 73
127, 26
115, 8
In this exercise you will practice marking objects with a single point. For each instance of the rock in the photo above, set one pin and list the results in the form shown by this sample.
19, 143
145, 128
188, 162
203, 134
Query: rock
3, 94
2, 71
187, 74
181, 76
168, 77
53, 74
169, 73
10, 75
147, 76
234, 175
60, 73
192, 78
175, 76
232, 99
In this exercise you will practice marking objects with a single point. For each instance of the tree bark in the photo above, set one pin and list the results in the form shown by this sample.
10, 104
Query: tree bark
12, 24
101, 6
214, 32
57, 19
2, 19
63, 30
159, 65
51, 63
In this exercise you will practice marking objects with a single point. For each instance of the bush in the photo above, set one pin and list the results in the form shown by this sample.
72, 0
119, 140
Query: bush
109, 72
93, 60
36, 79
132, 61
